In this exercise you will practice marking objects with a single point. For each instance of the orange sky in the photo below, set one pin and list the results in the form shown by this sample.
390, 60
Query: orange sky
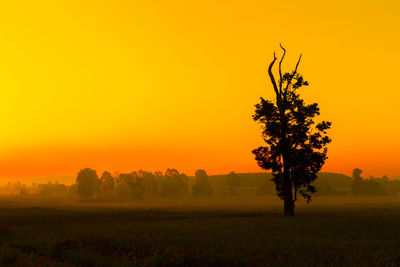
124, 85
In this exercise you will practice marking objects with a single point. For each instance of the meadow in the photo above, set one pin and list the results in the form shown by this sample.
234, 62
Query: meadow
340, 231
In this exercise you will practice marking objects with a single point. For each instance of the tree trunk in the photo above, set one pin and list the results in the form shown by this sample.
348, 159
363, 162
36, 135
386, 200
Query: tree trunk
288, 207
287, 187
287, 182
288, 204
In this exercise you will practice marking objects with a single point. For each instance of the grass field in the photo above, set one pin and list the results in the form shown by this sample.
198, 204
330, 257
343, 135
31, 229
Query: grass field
332, 232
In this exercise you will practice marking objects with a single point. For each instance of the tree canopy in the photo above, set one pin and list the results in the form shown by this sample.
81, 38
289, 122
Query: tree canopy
87, 181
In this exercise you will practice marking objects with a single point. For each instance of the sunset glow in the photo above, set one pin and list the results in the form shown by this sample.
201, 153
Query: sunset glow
126, 85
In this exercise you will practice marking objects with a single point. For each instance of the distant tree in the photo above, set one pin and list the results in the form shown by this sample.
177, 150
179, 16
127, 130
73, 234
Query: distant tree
357, 185
159, 178
201, 175
149, 182
201, 187
172, 173
357, 173
233, 181
174, 184
107, 183
131, 185
23, 190
368, 187
73, 189
121, 187
136, 185
87, 181
51, 189
296, 148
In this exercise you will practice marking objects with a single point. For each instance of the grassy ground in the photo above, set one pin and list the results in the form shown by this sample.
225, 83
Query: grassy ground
349, 233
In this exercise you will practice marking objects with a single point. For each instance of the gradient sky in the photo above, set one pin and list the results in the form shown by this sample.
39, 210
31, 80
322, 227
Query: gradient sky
124, 85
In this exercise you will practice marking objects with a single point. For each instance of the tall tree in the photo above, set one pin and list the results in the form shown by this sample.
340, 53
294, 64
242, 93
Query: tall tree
201, 187
296, 145
87, 181
107, 183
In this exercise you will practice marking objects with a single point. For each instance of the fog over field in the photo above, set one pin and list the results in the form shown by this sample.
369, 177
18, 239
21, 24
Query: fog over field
215, 231
170, 219
143, 189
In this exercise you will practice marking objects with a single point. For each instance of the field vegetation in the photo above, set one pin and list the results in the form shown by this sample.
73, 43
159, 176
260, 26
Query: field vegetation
175, 220
236, 231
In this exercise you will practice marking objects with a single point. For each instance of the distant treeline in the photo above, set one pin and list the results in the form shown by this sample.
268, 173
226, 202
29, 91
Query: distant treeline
173, 184
134, 185
373, 186
142, 183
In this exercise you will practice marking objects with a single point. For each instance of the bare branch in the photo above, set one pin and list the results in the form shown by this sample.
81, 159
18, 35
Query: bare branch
293, 74
280, 68
298, 62
271, 76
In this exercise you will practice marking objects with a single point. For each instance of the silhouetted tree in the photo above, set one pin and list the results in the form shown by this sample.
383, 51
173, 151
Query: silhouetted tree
296, 148
73, 189
136, 185
149, 182
107, 183
201, 187
130, 184
369, 187
174, 184
55, 189
357, 173
201, 176
357, 185
121, 187
87, 181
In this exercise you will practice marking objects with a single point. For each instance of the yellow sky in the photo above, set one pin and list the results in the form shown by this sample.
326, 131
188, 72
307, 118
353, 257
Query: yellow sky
123, 85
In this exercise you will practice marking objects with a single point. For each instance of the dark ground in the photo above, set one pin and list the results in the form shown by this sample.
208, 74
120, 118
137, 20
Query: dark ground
349, 234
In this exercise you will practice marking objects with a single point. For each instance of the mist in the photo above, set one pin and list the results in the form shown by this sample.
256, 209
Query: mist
172, 189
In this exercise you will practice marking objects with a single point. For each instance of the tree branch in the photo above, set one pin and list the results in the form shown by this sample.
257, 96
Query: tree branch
298, 62
271, 76
280, 68
291, 76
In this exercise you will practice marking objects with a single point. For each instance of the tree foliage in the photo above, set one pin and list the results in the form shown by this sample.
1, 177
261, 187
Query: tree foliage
371, 186
87, 181
107, 183
202, 187
296, 144
174, 184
